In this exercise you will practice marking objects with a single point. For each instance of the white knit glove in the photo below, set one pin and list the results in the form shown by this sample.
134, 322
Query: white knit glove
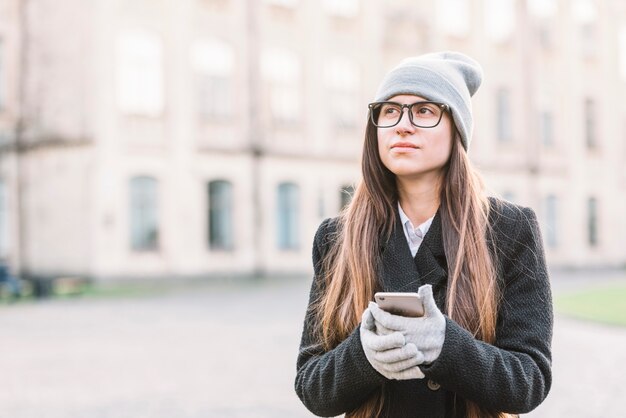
389, 354
426, 332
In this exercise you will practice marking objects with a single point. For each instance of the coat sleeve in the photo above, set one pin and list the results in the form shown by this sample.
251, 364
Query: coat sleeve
330, 383
514, 374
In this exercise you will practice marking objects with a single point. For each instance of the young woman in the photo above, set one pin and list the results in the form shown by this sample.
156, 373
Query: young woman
420, 222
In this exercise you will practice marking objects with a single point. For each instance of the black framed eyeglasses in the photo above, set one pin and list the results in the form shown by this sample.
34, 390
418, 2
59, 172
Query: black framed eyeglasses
422, 114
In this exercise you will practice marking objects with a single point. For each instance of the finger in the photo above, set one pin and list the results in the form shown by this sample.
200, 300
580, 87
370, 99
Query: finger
382, 342
390, 321
396, 354
400, 366
367, 320
412, 373
367, 335
425, 292
416, 359
380, 328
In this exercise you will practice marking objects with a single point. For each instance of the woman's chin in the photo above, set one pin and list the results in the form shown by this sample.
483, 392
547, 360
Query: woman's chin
413, 172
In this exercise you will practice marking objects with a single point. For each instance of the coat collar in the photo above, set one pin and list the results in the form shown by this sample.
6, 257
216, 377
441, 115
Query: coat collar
400, 272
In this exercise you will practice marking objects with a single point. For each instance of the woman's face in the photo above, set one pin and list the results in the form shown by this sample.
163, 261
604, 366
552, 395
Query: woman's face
411, 152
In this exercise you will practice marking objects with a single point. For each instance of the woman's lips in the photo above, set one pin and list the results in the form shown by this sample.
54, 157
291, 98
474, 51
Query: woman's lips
404, 147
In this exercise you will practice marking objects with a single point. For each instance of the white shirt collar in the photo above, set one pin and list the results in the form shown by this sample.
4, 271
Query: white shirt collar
414, 236
408, 225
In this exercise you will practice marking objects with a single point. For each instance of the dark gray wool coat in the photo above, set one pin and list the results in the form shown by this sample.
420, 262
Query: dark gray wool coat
512, 375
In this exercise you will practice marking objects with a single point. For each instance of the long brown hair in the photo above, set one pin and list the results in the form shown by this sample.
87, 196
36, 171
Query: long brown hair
350, 265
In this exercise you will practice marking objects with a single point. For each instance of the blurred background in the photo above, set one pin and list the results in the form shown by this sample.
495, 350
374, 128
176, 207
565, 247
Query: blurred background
203, 141
210, 137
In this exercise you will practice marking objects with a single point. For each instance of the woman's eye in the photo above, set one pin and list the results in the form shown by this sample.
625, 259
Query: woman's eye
425, 111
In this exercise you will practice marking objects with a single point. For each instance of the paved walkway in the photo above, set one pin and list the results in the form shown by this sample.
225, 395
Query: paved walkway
223, 352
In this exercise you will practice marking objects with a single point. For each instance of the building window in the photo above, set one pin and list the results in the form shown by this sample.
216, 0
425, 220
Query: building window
321, 204
545, 35
503, 117
139, 71
590, 124
345, 195
343, 79
288, 216
144, 220
499, 19
342, 8
592, 221
584, 12
546, 128
282, 74
4, 220
453, 17
551, 221
213, 64
220, 195
543, 8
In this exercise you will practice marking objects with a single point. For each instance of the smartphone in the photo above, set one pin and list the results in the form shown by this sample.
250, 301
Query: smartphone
404, 304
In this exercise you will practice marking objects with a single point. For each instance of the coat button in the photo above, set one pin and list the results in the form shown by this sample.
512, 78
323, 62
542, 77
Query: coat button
432, 385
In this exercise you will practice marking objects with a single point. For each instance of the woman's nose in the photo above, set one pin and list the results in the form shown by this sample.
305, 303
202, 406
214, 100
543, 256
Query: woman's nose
405, 125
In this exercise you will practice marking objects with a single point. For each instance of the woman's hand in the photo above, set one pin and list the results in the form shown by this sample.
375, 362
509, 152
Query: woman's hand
427, 332
389, 354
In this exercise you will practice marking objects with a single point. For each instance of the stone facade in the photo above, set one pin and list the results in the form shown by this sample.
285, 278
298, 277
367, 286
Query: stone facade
94, 94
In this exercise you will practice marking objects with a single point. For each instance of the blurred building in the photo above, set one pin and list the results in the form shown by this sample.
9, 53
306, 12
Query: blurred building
192, 138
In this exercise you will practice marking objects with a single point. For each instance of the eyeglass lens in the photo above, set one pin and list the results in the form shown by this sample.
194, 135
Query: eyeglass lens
422, 114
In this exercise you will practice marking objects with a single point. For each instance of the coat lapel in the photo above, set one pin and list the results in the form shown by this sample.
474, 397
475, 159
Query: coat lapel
431, 258
399, 272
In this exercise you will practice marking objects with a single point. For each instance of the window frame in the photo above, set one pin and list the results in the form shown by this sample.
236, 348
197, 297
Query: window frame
137, 197
219, 215
288, 216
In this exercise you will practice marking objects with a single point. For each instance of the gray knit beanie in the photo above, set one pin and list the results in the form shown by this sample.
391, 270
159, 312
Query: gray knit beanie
447, 77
